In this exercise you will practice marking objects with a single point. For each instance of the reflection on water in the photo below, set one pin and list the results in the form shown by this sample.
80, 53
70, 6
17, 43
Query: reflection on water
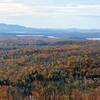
93, 38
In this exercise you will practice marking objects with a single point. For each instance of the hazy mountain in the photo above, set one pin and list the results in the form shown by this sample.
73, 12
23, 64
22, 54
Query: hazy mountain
6, 29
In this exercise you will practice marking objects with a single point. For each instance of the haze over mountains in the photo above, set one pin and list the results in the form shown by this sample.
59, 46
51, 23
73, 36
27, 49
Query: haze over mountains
17, 30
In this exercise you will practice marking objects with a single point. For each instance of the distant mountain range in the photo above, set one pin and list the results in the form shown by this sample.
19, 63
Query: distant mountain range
17, 30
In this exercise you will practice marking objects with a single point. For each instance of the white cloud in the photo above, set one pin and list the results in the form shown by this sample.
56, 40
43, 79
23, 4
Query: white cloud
6, 1
89, 10
14, 9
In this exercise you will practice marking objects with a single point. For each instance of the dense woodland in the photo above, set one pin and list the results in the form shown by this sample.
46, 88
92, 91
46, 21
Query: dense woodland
55, 72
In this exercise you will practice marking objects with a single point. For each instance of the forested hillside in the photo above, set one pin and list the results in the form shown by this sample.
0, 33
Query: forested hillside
59, 72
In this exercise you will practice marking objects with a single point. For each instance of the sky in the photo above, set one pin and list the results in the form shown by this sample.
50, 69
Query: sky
51, 13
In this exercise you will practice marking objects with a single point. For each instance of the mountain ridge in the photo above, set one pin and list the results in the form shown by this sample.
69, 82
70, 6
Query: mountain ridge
9, 29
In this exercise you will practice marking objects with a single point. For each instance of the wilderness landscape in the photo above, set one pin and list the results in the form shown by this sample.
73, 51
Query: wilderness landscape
48, 68
49, 49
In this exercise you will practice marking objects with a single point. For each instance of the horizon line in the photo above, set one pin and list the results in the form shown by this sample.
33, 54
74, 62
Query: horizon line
26, 26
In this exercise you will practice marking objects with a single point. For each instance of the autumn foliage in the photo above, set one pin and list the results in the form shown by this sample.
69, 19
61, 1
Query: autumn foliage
51, 72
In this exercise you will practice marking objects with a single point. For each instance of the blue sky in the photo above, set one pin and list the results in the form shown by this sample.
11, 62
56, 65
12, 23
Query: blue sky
51, 13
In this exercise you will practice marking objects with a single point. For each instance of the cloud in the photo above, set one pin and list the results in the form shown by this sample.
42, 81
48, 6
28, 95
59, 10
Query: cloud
6, 1
14, 9
18, 9
76, 10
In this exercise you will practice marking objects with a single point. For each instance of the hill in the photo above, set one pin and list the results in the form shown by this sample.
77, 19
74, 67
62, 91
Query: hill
17, 30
